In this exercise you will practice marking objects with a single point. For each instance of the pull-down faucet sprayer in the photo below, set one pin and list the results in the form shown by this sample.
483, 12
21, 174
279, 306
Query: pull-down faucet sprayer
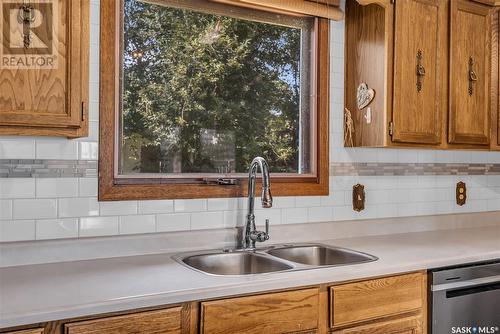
251, 235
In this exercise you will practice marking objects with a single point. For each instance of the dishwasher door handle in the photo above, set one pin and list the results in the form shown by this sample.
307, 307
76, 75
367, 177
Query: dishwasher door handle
468, 283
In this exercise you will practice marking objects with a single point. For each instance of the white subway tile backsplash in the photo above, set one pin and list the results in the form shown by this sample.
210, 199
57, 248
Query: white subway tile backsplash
88, 150
173, 222
343, 213
219, 204
192, 205
284, 202
118, 208
156, 206
78, 207
17, 230
234, 218
98, 226
68, 207
387, 210
93, 132
493, 204
57, 149
274, 216
307, 201
332, 199
56, 187
34, 208
407, 209
5, 209
207, 220
56, 228
93, 90
320, 214
426, 208
137, 224
94, 106
87, 187
294, 216
17, 149
17, 188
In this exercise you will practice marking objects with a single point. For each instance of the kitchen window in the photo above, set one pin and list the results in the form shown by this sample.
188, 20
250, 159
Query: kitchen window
191, 91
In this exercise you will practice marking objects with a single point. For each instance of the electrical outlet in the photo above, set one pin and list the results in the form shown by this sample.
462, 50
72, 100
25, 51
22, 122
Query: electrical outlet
358, 197
461, 193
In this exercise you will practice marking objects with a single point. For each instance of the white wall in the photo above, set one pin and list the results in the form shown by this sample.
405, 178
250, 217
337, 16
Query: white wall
36, 209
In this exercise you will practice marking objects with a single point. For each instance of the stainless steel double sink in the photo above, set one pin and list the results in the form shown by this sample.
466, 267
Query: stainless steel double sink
278, 258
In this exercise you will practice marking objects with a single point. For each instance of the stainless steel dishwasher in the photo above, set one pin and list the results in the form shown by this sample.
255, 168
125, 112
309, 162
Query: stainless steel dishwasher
465, 299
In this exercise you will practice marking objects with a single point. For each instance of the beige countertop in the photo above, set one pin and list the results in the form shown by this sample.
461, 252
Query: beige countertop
44, 292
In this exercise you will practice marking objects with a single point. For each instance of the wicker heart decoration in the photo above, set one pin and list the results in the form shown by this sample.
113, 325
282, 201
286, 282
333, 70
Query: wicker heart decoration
365, 96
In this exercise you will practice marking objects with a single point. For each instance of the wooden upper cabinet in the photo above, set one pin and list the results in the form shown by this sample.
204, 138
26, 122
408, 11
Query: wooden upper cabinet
495, 80
368, 34
433, 69
399, 51
44, 68
419, 70
469, 113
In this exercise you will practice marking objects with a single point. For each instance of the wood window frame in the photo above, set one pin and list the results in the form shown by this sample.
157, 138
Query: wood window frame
113, 188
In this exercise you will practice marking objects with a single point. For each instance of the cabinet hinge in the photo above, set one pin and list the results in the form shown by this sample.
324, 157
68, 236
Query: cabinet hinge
391, 128
83, 111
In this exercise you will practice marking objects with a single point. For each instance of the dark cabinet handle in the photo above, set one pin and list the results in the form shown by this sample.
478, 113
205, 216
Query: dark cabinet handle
420, 70
472, 76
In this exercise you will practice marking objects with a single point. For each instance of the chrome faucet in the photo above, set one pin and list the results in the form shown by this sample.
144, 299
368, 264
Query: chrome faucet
251, 235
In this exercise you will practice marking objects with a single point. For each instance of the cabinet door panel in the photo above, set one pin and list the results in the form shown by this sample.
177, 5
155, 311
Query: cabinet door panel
418, 71
44, 79
361, 302
469, 119
27, 331
152, 322
275, 313
495, 82
410, 325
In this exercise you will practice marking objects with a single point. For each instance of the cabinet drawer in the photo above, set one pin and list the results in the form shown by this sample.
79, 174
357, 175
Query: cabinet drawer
27, 331
368, 300
274, 313
410, 325
152, 322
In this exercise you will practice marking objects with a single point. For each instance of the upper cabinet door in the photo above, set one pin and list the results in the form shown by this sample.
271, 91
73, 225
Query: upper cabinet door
469, 119
43, 67
419, 70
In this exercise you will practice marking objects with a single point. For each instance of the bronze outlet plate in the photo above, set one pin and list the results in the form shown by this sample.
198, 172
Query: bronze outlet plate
358, 197
461, 193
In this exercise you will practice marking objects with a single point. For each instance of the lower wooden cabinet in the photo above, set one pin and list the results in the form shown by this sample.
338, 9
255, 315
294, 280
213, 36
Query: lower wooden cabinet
166, 321
28, 331
359, 302
409, 325
275, 313
388, 305
362, 307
